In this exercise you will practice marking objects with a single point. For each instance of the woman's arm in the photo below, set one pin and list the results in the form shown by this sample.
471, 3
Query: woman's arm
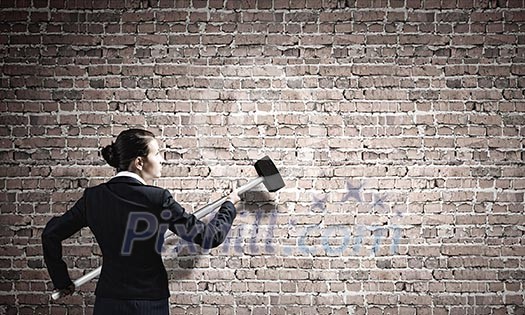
56, 230
191, 229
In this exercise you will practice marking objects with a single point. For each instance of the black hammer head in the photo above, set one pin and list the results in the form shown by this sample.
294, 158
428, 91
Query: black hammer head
272, 179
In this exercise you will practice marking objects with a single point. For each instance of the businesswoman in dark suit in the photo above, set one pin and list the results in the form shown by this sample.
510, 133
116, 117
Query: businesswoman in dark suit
125, 215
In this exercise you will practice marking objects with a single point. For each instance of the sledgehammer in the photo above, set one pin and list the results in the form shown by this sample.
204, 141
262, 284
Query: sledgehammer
268, 175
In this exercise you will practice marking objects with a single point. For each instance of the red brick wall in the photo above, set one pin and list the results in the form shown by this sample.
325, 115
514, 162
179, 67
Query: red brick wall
398, 127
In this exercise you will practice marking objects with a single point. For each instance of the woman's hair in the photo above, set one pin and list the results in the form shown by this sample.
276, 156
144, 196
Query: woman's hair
130, 144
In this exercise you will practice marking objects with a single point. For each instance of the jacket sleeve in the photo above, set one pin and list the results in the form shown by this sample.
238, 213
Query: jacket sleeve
56, 230
191, 229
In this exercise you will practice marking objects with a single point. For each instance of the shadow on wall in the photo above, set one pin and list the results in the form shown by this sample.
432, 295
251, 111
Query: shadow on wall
180, 256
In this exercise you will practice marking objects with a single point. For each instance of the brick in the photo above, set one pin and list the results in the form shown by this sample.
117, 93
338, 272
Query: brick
217, 39
433, 40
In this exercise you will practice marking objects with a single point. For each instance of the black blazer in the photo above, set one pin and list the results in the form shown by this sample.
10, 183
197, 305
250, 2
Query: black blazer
105, 208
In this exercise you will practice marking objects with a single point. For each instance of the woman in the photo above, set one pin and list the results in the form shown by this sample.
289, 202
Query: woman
125, 215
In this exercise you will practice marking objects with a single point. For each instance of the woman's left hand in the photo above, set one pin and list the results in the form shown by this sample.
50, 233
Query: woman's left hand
68, 290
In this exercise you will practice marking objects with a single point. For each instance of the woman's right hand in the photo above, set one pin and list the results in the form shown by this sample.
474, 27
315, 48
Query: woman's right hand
234, 197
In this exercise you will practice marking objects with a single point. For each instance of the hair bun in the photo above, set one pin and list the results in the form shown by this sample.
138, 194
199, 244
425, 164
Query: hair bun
109, 154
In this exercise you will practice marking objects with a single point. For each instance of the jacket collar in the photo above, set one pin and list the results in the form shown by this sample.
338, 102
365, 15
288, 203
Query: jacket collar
128, 177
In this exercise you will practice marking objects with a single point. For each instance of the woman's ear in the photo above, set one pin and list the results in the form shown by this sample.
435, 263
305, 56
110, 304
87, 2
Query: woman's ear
138, 163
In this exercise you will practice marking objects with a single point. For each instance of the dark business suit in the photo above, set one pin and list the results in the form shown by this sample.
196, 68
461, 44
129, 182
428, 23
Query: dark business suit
106, 209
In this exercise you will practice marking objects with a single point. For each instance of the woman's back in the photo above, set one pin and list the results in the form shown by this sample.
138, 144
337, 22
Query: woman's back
132, 266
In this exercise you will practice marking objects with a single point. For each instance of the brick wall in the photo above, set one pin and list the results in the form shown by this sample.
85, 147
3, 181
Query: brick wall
398, 127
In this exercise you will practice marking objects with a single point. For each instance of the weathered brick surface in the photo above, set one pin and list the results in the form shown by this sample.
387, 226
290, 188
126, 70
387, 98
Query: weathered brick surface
398, 127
